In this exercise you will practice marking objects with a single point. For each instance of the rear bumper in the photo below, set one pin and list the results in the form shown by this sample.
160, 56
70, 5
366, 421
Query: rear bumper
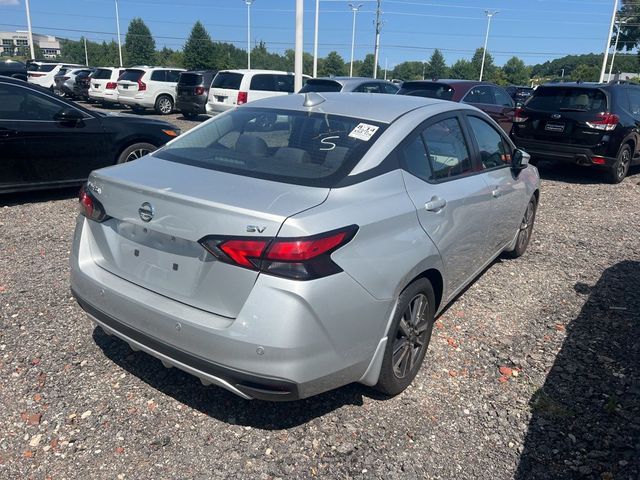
287, 342
216, 108
110, 96
562, 152
139, 100
190, 106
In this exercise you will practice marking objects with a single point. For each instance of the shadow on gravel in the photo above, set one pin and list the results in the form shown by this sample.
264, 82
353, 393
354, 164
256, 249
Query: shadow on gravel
220, 404
586, 417
569, 173
38, 196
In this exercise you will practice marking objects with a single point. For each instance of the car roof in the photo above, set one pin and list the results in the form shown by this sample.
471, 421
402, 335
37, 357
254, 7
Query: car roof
350, 80
370, 106
254, 71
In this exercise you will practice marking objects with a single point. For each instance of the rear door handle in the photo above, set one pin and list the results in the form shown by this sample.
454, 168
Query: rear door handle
435, 204
496, 192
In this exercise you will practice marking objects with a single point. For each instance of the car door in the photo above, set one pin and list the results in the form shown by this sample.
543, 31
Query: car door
453, 202
508, 193
481, 96
41, 149
505, 110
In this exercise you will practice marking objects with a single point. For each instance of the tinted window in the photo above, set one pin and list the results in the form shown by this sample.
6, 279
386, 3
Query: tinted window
132, 75
493, 150
447, 148
304, 148
159, 75
558, 99
34, 67
634, 100
369, 88
62, 71
390, 88
190, 79
264, 82
427, 89
227, 80
415, 158
480, 94
173, 75
502, 98
285, 83
321, 85
17, 103
102, 74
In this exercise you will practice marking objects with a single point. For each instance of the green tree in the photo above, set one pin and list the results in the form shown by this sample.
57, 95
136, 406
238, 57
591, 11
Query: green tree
366, 68
437, 67
516, 72
409, 71
463, 69
168, 57
489, 66
198, 51
333, 64
139, 45
586, 73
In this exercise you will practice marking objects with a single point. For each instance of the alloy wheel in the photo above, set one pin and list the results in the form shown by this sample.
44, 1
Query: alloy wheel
136, 154
411, 337
527, 225
623, 164
164, 104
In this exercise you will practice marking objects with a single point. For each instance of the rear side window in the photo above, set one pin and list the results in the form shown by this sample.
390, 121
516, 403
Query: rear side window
159, 75
190, 79
558, 99
493, 150
447, 149
132, 75
284, 83
480, 94
427, 89
173, 76
263, 82
228, 80
315, 85
634, 100
371, 87
390, 88
303, 148
40, 68
502, 98
102, 74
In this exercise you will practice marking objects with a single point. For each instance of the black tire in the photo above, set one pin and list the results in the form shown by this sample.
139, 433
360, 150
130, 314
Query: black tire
135, 151
190, 115
164, 105
619, 170
137, 109
525, 230
409, 336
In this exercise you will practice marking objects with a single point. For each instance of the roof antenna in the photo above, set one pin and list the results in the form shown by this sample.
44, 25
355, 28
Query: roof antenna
311, 99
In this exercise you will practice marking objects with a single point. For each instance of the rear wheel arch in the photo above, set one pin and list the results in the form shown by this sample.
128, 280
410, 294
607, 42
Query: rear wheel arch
129, 143
437, 282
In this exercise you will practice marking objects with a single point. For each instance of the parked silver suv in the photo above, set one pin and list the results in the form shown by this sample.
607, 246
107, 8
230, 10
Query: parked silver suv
292, 245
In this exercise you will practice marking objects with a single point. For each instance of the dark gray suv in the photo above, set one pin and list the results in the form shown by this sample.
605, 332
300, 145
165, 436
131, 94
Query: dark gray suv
192, 92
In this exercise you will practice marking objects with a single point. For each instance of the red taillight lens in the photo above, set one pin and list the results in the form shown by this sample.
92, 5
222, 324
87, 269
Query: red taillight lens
604, 121
199, 91
299, 258
598, 160
90, 207
242, 98
519, 116
111, 86
141, 86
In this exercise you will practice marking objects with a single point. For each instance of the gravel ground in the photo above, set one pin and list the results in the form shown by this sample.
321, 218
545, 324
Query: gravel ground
532, 372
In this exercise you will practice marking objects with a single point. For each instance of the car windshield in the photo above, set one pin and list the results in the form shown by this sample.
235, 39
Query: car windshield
427, 89
314, 85
312, 149
131, 75
190, 79
229, 80
553, 99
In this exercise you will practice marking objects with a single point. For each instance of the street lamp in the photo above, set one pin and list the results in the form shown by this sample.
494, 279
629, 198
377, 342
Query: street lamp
315, 41
118, 27
608, 44
31, 47
354, 9
249, 3
489, 14
615, 46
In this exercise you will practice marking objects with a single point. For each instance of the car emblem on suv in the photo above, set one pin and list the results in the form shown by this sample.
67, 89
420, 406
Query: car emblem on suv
556, 116
146, 212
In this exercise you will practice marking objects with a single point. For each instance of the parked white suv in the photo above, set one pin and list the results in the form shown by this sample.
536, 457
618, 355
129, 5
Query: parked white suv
42, 73
104, 84
236, 87
149, 87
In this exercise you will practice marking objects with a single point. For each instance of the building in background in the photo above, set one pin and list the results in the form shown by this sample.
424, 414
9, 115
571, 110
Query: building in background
17, 43
621, 76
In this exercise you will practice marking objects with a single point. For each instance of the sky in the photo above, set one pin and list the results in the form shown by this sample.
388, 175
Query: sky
534, 30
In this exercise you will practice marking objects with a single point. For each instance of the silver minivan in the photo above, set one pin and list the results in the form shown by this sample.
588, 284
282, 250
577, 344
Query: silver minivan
283, 258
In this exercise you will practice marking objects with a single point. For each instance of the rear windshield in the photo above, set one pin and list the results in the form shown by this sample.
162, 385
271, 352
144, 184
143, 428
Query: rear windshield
311, 149
102, 74
190, 79
228, 80
558, 99
132, 75
34, 67
314, 85
427, 89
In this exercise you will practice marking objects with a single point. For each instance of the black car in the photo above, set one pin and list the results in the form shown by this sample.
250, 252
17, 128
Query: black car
587, 124
81, 85
192, 92
519, 94
13, 69
47, 141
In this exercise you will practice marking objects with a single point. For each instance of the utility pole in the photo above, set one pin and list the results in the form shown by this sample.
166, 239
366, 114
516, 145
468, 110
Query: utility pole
86, 53
608, 44
615, 47
248, 2
118, 27
315, 41
385, 67
377, 45
297, 82
489, 14
31, 47
354, 9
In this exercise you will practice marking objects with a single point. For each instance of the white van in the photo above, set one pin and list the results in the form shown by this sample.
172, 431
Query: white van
104, 84
149, 87
236, 87
42, 73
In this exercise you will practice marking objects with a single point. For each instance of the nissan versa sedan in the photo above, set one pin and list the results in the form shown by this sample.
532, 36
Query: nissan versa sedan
283, 259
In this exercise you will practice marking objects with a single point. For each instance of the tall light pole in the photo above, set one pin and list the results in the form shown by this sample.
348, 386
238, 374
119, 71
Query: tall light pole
297, 80
118, 28
608, 44
249, 3
354, 9
489, 14
315, 41
615, 47
86, 53
376, 49
31, 47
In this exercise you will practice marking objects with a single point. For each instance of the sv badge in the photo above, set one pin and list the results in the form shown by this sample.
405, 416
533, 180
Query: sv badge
255, 228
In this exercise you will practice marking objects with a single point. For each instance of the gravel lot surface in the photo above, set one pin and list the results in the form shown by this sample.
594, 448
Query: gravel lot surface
532, 372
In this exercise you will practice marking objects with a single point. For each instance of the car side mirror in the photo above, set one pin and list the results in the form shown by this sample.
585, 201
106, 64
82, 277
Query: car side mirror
68, 116
519, 160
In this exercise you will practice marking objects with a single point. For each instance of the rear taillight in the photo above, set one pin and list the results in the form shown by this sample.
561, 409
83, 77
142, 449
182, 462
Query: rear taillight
65, 78
90, 207
604, 121
141, 86
242, 98
199, 91
111, 85
302, 258
35, 75
519, 116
